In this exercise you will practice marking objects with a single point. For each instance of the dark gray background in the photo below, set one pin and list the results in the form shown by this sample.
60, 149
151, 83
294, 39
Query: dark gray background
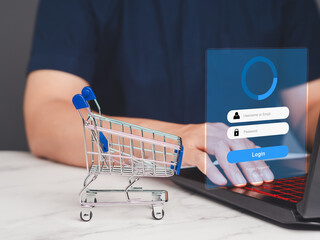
16, 29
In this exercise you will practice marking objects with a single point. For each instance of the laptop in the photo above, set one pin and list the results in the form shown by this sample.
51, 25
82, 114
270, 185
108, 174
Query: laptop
290, 201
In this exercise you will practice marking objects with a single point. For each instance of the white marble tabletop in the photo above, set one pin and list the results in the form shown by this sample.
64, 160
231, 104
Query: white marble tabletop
39, 200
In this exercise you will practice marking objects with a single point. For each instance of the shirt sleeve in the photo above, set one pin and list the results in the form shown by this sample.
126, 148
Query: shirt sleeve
65, 38
302, 29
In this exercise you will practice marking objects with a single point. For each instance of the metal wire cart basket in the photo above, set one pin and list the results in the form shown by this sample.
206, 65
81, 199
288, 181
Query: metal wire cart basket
118, 148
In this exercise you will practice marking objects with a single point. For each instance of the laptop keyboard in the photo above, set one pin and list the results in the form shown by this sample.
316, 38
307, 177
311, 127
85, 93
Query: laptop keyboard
288, 189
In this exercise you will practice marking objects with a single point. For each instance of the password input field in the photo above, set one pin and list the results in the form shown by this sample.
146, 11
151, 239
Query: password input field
258, 130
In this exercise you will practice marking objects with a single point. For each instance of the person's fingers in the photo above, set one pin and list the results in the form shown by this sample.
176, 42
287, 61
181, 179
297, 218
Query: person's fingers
240, 144
248, 168
264, 170
255, 173
206, 166
251, 172
230, 169
213, 173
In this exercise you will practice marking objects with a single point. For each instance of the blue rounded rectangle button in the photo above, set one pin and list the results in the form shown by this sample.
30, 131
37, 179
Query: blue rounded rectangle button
247, 155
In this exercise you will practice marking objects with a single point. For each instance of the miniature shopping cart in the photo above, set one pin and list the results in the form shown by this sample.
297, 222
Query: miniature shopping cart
118, 148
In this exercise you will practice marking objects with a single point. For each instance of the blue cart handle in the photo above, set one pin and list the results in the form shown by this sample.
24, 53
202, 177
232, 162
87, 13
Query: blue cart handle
88, 94
79, 102
178, 166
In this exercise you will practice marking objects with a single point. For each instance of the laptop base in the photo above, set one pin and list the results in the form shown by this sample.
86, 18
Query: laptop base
276, 210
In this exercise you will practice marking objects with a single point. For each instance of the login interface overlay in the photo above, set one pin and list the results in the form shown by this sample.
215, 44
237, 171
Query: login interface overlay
258, 97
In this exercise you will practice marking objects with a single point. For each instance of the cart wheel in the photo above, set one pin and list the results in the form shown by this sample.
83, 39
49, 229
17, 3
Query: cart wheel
85, 216
95, 200
158, 215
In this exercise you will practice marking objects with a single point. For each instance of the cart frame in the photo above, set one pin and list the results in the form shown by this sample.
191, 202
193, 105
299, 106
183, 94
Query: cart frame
128, 150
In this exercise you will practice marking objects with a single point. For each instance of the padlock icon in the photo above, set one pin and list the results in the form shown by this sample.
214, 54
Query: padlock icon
236, 132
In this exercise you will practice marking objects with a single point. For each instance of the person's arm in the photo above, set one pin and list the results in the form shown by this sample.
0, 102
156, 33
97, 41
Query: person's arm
52, 126
54, 131
294, 98
313, 111
301, 27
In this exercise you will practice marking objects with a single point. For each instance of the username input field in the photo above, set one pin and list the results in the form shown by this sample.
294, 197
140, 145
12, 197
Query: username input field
257, 114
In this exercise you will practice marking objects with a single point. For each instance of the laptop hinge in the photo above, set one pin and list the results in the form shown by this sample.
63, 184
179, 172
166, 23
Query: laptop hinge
309, 207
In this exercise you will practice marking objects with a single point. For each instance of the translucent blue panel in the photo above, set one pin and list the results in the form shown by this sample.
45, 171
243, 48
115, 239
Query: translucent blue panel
242, 83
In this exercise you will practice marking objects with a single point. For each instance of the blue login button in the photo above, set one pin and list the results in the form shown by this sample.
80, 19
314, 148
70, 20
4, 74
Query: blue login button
255, 154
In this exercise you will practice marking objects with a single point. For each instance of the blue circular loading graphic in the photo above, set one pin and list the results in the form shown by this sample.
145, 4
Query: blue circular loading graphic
244, 75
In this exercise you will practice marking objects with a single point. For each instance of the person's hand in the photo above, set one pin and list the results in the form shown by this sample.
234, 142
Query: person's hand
218, 144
